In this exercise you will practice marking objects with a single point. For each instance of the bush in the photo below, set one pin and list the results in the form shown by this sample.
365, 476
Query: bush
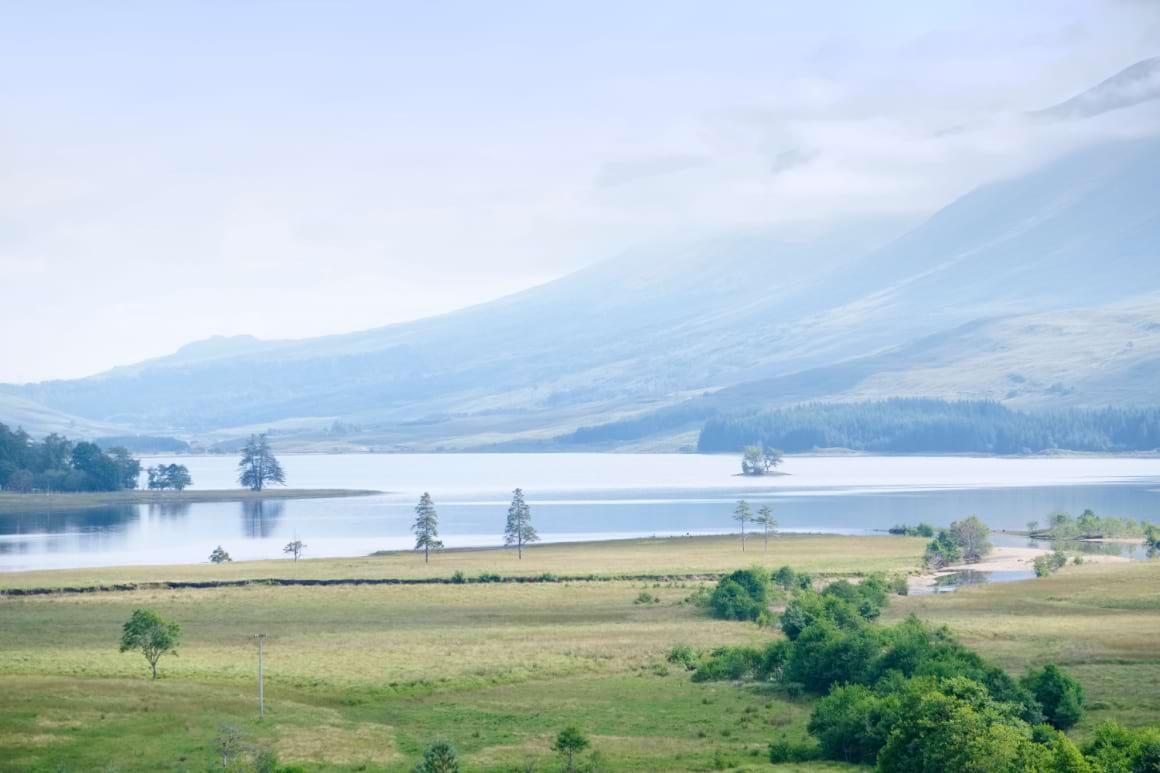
852, 723
784, 750
744, 663
785, 577
459, 578
1060, 696
489, 577
1058, 559
743, 595
439, 757
684, 655
824, 655
1043, 566
644, 597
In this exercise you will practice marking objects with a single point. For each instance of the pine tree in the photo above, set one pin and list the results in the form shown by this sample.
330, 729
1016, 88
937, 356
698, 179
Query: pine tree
519, 531
768, 522
426, 527
743, 515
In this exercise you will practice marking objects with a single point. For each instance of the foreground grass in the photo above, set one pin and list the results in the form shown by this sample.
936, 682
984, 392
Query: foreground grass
25, 503
363, 677
1099, 621
616, 558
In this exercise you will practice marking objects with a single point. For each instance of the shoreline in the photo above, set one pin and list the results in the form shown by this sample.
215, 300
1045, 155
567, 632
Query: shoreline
32, 503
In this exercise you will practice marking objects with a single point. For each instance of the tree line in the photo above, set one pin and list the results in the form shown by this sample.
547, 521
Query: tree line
933, 426
56, 463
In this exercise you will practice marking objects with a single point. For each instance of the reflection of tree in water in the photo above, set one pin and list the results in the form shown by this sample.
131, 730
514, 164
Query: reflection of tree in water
169, 509
57, 521
261, 518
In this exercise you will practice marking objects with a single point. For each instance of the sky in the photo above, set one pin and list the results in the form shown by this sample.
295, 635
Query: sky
173, 171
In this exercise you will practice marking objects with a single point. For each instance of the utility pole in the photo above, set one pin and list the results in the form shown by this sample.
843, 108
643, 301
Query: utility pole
261, 696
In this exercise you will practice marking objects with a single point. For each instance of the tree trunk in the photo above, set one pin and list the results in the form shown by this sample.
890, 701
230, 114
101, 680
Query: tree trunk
153, 665
520, 548
426, 554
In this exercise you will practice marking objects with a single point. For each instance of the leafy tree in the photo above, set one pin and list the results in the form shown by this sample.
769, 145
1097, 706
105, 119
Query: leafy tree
943, 551
294, 548
752, 461
852, 723
258, 466
770, 457
1060, 695
569, 743
20, 481
1032, 526
519, 531
971, 535
768, 523
743, 515
439, 757
426, 527
741, 595
128, 468
785, 577
149, 634
165, 476
219, 556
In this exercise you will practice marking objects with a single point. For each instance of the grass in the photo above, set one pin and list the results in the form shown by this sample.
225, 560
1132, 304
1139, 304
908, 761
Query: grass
363, 677
24, 503
617, 558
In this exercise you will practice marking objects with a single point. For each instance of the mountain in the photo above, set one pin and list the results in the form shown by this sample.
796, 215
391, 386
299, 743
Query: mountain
1131, 86
962, 304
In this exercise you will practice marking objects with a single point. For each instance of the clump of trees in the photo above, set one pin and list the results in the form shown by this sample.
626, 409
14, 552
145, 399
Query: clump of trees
1062, 526
426, 527
1050, 563
743, 595
966, 541
910, 697
55, 463
760, 460
921, 530
519, 530
258, 467
151, 635
169, 476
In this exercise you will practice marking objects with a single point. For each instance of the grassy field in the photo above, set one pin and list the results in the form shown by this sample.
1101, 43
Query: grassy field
677, 555
24, 503
363, 677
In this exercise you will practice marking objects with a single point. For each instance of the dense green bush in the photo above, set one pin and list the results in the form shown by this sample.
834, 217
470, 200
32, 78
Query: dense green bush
744, 663
743, 595
783, 750
1060, 696
683, 655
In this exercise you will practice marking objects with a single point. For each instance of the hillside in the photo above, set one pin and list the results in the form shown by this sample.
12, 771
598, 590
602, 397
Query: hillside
979, 300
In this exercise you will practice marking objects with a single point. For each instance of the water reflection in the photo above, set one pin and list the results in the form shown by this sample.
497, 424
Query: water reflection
169, 509
261, 518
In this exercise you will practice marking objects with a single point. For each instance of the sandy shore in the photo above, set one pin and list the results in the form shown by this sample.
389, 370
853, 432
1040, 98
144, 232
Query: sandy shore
1002, 559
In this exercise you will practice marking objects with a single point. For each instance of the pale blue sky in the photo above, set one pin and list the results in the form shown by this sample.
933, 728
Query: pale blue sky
170, 171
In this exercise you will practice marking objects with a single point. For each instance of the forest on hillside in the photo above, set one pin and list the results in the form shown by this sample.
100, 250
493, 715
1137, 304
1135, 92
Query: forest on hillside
905, 426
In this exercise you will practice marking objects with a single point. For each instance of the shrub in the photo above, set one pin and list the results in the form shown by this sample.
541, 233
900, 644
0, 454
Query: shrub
1058, 559
785, 577
784, 750
219, 556
742, 595
644, 597
489, 577
683, 655
824, 655
459, 578
852, 723
439, 757
1043, 566
1060, 696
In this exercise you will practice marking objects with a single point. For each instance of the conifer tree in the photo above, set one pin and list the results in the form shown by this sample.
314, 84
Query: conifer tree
519, 531
426, 527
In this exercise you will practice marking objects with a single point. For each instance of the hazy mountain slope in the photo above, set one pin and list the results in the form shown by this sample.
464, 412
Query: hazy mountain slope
38, 420
667, 322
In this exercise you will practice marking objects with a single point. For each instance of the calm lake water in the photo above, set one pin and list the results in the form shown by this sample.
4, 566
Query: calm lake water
573, 497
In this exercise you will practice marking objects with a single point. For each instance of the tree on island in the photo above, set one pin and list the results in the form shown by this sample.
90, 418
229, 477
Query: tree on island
519, 531
768, 522
743, 515
426, 527
258, 467
294, 548
153, 637
759, 460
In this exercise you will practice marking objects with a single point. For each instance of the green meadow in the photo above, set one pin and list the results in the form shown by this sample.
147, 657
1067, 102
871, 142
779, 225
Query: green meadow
363, 677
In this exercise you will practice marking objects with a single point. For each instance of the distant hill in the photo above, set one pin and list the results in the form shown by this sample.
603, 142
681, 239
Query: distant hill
1037, 291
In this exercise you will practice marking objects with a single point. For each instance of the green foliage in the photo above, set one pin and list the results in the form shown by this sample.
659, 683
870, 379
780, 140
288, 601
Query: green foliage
909, 425
785, 577
294, 548
742, 595
1088, 525
169, 476
784, 750
1060, 696
219, 556
685, 656
439, 757
56, 464
1117, 749
943, 551
458, 578
568, 743
258, 467
824, 655
921, 530
148, 633
852, 723
744, 663
644, 597
965, 541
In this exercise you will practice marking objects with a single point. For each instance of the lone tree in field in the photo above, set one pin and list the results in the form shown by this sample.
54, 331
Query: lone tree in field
426, 527
294, 548
219, 556
147, 633
258, 467
519, 531
743, 515
569, 743
768, 522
